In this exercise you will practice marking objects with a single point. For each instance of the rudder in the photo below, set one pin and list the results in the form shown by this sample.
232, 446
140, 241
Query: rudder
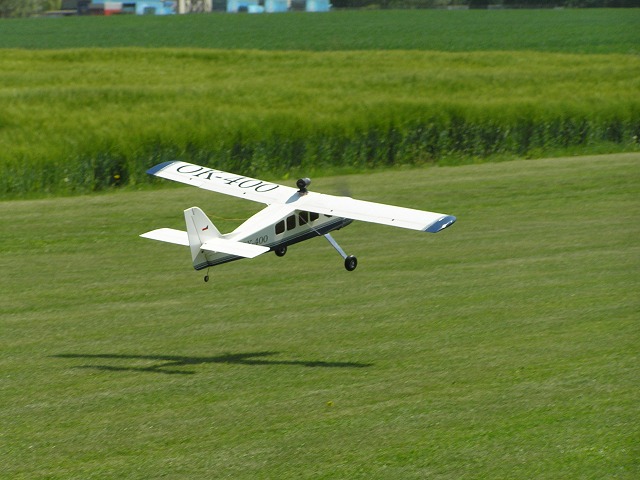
199, 231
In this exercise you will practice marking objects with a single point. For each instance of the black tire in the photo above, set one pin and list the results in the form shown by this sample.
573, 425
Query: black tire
206, 278
350, 263
281, 251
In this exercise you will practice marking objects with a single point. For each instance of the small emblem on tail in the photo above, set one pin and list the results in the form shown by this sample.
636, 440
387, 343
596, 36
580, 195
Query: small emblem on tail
205, 228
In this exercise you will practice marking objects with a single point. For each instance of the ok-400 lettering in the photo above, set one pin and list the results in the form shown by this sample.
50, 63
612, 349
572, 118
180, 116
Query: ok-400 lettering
262, 240
223, 177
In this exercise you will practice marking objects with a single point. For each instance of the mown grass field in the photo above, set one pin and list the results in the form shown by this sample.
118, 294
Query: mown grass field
503, 347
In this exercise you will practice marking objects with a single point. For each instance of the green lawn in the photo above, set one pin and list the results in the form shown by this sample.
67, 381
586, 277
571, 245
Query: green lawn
503, 347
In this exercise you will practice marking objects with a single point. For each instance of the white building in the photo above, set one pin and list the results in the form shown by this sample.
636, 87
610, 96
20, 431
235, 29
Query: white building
318, 6
194, 6
235, 6
273, 6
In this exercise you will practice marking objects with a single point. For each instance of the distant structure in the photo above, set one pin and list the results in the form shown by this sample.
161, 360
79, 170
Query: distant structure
276, 6
194, 6
249, 6
104, 7
171, 7
318, 6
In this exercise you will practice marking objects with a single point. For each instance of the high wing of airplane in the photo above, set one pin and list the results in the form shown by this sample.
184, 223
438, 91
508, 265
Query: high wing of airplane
291, 215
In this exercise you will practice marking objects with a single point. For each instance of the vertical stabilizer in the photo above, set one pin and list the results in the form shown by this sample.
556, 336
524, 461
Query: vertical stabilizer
199, 231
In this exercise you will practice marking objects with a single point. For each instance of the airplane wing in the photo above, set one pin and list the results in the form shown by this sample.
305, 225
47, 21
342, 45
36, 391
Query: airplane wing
224, 182
375, 212
273, 193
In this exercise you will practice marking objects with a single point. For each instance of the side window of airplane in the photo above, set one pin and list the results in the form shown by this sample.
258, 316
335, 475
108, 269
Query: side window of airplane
291, 222
303, 219
306, 217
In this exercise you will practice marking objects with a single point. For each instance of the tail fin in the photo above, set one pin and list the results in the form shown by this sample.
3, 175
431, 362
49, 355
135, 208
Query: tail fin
200, 230
204, 238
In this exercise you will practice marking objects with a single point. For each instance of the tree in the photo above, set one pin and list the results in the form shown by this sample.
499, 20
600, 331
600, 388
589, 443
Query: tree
20, 8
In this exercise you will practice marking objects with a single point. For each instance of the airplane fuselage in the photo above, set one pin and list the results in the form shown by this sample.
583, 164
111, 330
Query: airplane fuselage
287, 230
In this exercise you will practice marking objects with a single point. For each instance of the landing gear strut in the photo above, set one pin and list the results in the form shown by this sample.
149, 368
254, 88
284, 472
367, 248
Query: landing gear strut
350, 262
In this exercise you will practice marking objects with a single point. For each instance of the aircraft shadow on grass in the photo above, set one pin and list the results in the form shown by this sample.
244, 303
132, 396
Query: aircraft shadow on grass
170, 364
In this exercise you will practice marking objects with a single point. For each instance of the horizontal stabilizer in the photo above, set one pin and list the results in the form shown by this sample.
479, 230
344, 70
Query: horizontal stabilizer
231, 247
169, 235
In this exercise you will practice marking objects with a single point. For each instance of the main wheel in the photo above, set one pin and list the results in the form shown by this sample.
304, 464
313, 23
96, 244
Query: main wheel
280, 251
350, 263
206, 278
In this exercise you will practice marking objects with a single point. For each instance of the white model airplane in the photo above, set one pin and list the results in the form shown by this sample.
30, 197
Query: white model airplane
291, 216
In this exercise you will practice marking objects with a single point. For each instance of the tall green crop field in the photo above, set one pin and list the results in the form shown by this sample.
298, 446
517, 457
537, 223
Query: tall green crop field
345, 91
76, 121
